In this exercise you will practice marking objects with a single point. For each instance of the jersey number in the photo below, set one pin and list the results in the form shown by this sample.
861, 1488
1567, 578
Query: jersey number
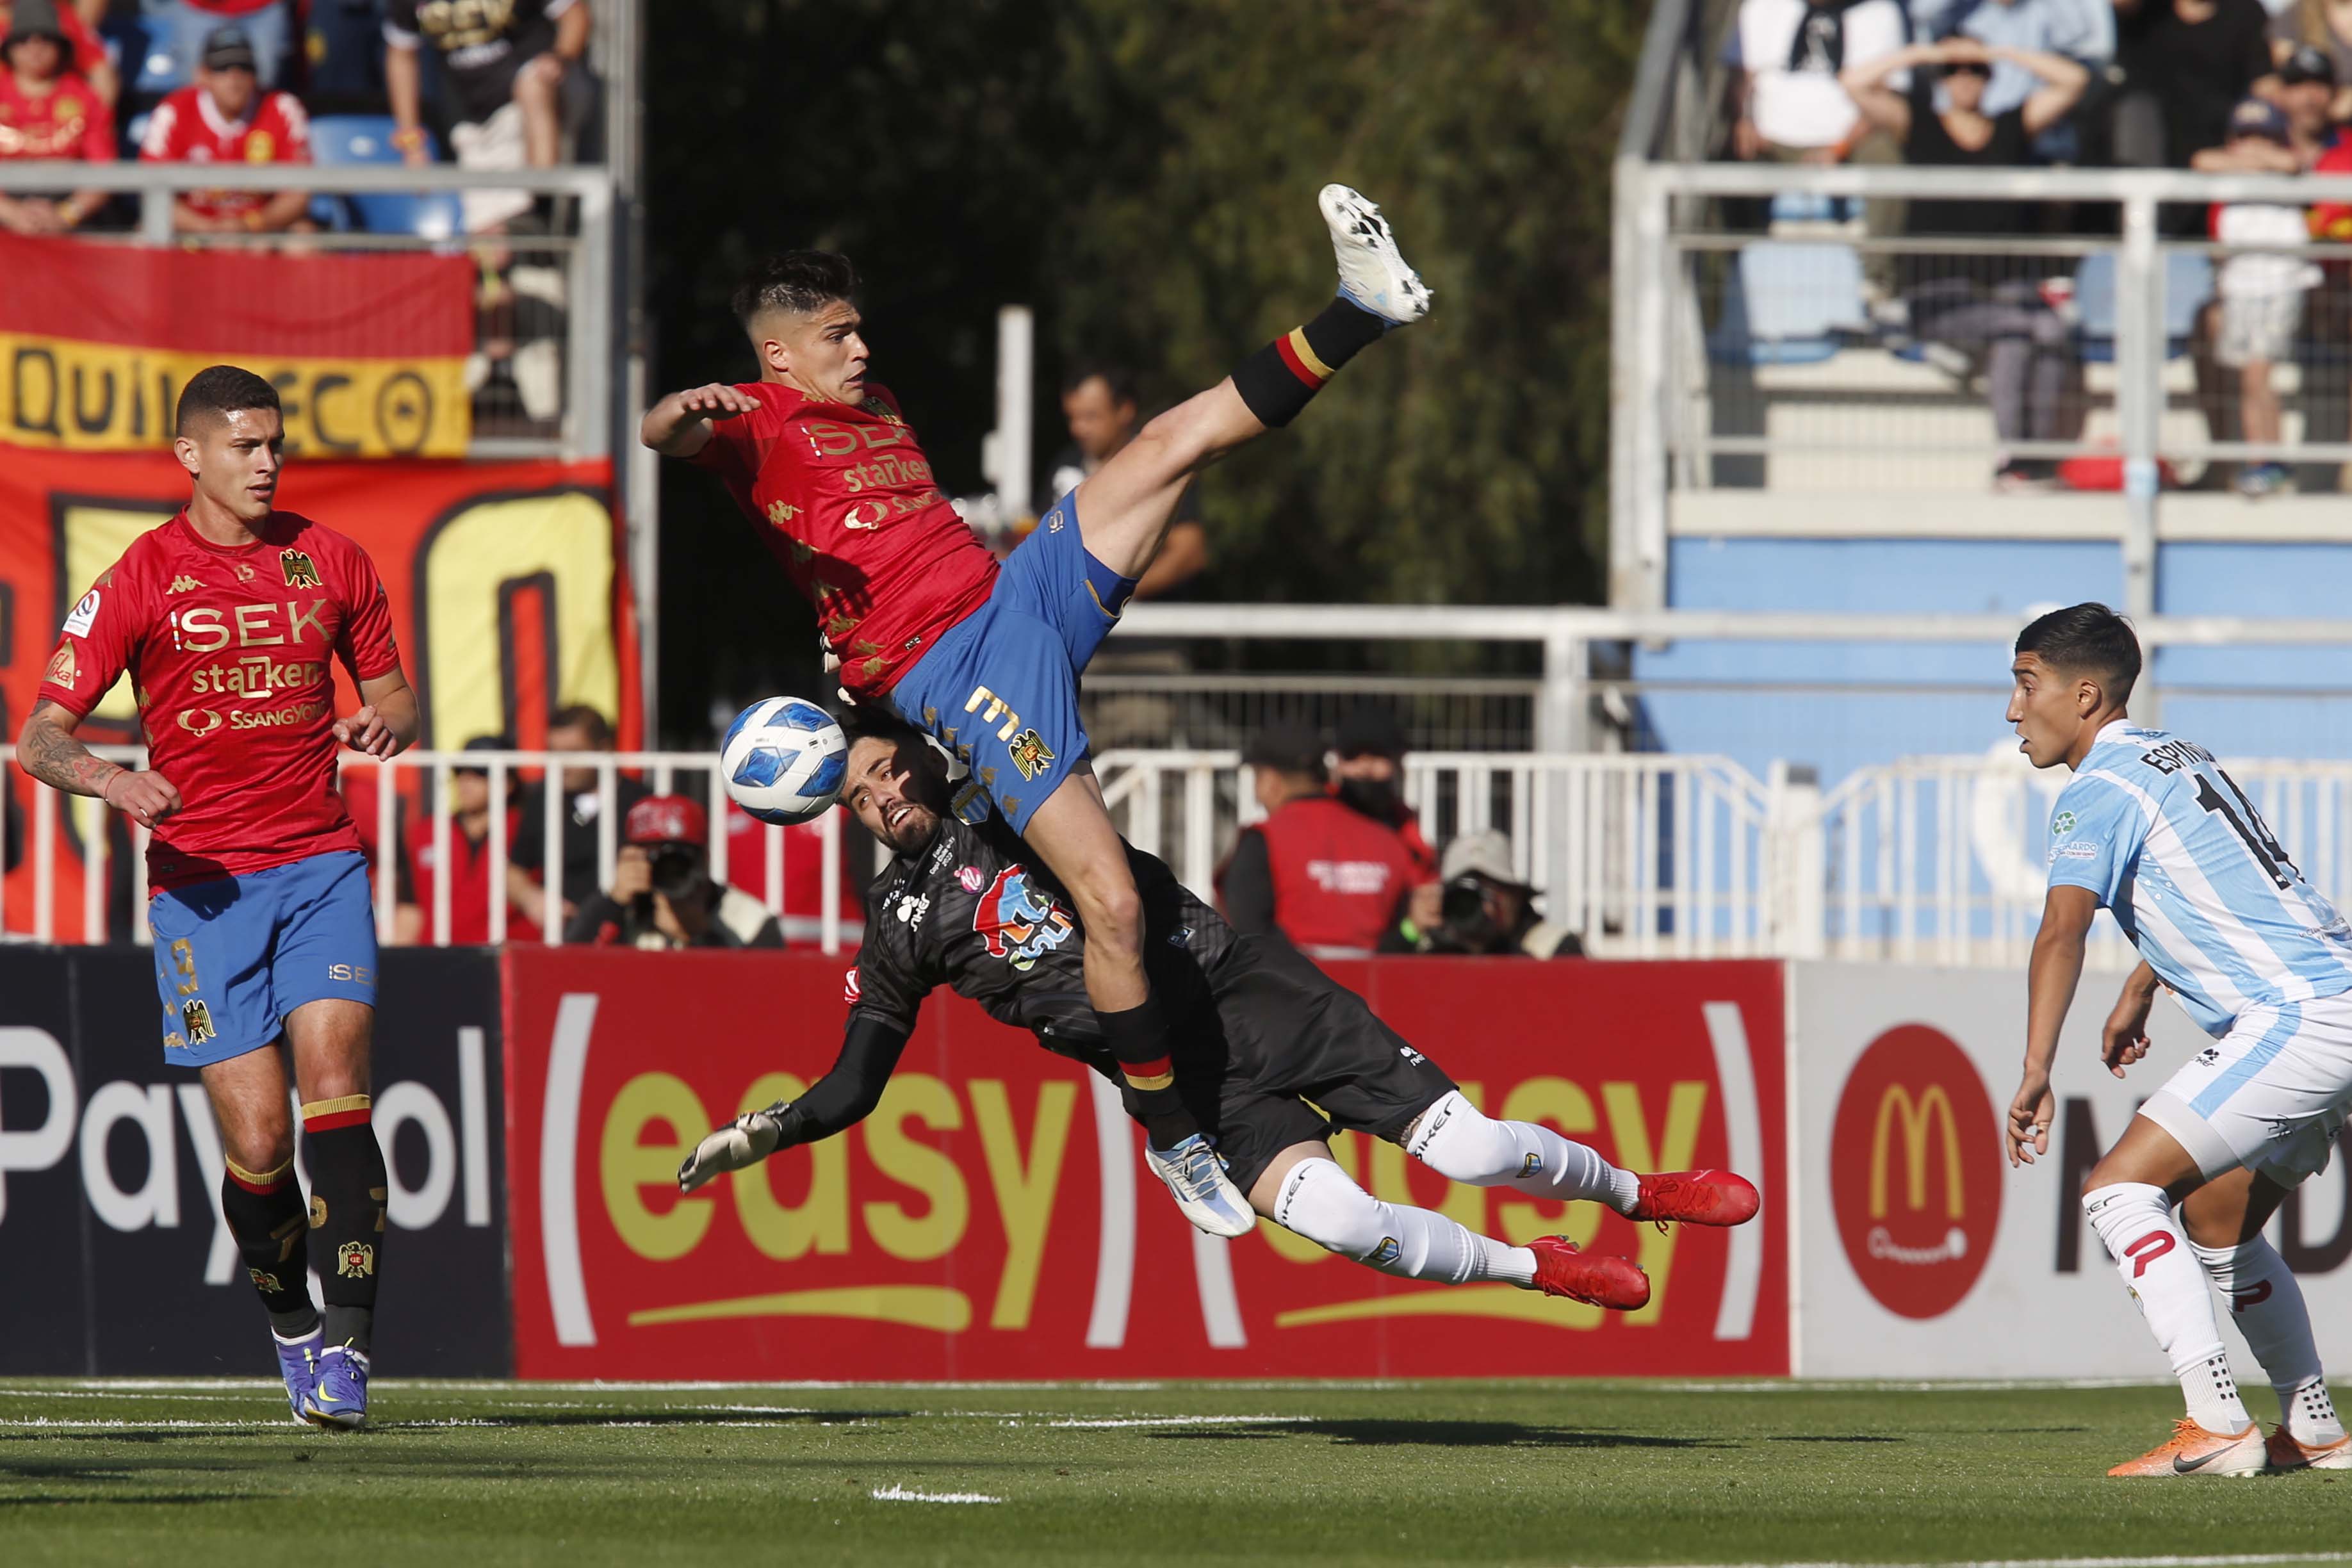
2249, 827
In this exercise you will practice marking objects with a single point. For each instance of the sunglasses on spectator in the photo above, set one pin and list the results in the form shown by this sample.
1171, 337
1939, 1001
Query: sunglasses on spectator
1970, 67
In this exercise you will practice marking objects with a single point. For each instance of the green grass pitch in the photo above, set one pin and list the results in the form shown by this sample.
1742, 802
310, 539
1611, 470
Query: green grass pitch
457, 1475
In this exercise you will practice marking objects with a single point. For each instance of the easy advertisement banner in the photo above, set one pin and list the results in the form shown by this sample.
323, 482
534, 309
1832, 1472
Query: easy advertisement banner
1923, 1253
368, 353
993, 1218
111, 1236
509, 593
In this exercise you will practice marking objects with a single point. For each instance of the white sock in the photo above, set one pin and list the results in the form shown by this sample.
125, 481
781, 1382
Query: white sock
2267, 1305
1319, 1201
1455, 1139
2153, 1255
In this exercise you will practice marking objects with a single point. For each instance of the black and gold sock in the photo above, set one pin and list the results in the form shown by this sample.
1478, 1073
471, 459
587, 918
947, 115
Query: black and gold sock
348, 1186
1138, 1038
264, 1210
1279, 380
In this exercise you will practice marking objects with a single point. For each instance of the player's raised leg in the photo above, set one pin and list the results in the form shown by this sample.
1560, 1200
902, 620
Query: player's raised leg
348, 1189
2224, 1220
1304, 1190
263, 1205
1457, 1140
1124, 508
2127, 1198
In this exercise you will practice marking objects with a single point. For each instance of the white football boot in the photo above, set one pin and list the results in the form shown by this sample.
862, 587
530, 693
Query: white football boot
1373, 271
1196, 1179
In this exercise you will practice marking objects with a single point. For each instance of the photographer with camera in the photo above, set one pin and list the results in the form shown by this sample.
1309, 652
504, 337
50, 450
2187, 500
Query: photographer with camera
1480, 906
663, 897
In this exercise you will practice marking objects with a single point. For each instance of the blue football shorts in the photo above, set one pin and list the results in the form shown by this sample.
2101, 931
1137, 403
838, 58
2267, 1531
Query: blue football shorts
1000, 685
233, 957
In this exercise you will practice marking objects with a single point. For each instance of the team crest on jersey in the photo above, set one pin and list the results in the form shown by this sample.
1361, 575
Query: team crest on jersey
64, 669
300, 572
264, 1280
849, 989
260, 147
1031, 754
355, 1260
2061, 825
1021, 925
196, 1019
880, 410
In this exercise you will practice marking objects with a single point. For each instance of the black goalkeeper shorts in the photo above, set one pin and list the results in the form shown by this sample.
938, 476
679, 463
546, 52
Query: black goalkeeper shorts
1291, 1034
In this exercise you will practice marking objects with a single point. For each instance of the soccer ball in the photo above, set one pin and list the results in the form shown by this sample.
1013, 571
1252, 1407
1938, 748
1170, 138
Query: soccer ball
784, 759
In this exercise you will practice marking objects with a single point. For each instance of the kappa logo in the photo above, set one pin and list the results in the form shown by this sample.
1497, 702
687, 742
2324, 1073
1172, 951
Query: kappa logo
1031, 754
2209, 1056
1019, 925
174, 1041
354, 1260
196, 1019
183, 583
781, 512
301, 571
200, 721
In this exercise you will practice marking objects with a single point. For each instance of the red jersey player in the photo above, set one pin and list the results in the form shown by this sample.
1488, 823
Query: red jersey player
226, 118
987, 661
226, 618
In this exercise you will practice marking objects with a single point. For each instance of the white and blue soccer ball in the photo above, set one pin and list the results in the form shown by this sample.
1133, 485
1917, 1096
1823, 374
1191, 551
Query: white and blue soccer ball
784, 759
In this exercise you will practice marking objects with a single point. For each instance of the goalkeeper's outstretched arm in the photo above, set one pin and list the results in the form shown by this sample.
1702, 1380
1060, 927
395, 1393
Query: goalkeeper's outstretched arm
843, 1097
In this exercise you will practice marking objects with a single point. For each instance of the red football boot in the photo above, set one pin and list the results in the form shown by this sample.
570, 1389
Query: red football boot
1695, 1197
1589, 1276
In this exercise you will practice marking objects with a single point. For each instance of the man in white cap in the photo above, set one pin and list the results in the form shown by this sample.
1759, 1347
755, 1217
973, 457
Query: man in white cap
1481, 905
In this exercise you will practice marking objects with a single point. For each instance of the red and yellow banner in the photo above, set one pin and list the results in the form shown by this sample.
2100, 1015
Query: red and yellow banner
368, 353
507, 582
992, 1218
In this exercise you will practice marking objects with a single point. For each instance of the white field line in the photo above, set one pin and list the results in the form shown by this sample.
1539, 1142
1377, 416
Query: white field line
2235, 1560
900, 1494
1184, 1421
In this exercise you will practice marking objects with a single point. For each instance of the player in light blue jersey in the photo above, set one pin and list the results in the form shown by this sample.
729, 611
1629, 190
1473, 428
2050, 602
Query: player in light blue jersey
2153, 831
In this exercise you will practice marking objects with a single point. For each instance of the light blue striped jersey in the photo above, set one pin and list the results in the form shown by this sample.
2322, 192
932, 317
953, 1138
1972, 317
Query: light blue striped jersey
2191, 871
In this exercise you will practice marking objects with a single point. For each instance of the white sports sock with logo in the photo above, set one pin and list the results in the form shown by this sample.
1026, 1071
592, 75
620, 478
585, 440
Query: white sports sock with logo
2152, 1253
1455, 1139
2267, 1305
1319, 1201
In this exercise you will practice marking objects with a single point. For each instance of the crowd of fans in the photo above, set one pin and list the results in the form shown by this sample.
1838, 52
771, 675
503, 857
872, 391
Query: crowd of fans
227, 81
2262, 86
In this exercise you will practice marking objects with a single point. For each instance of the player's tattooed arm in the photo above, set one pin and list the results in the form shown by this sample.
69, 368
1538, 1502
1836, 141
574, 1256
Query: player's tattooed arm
386, 723
47, 748
680, 425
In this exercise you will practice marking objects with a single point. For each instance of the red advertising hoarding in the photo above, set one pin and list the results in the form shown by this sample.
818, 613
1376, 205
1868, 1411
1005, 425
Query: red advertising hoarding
993, 1219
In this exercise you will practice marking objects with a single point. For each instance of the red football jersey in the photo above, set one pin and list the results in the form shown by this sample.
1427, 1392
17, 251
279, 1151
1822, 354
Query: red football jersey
227, 651
849, 506
189, 128
69, 121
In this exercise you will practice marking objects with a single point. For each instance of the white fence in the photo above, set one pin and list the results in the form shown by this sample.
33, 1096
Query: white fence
1933, 861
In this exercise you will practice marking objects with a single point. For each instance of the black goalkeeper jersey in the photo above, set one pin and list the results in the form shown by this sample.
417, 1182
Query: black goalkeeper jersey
975, 910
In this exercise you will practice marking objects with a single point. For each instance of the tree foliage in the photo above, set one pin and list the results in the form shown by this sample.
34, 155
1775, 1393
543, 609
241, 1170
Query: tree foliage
1143, 175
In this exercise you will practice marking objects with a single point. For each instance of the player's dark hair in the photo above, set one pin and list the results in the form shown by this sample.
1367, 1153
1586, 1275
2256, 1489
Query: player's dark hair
218, 391
1116, 377
800, 282
874, 721
581, 716
2086, 639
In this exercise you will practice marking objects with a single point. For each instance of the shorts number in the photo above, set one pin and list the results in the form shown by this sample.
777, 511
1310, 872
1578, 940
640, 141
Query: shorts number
184, 960
2250, 828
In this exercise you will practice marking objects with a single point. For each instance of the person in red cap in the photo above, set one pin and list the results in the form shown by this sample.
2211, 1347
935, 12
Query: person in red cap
663, 896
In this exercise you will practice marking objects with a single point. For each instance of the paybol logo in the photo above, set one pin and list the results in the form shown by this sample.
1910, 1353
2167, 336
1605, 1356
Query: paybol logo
1914, 1171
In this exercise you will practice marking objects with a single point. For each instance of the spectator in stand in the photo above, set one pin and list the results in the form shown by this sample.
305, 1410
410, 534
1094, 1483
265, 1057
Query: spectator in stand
803, 879
1481, 908
662, 896
2082, 31
268, 24
1789, 105
469, 863
79, 24
575, 729
2252, 325
505, 67
2000, 324
47, 111
2325, 26
1325, 876
226, 118
1369, 778
2186, 64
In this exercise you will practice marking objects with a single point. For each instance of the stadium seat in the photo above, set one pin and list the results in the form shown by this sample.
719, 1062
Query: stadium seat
1786, 303
367, 139
2187, 284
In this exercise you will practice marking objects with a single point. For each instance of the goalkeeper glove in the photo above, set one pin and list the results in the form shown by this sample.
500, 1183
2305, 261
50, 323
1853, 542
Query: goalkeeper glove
746, 1140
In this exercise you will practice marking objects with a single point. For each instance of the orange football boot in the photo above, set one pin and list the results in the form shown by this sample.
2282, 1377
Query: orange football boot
2288, 1452
2194, 1451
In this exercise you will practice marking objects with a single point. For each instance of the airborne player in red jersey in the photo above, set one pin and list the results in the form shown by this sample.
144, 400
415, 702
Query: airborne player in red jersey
225, 619
986, 661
